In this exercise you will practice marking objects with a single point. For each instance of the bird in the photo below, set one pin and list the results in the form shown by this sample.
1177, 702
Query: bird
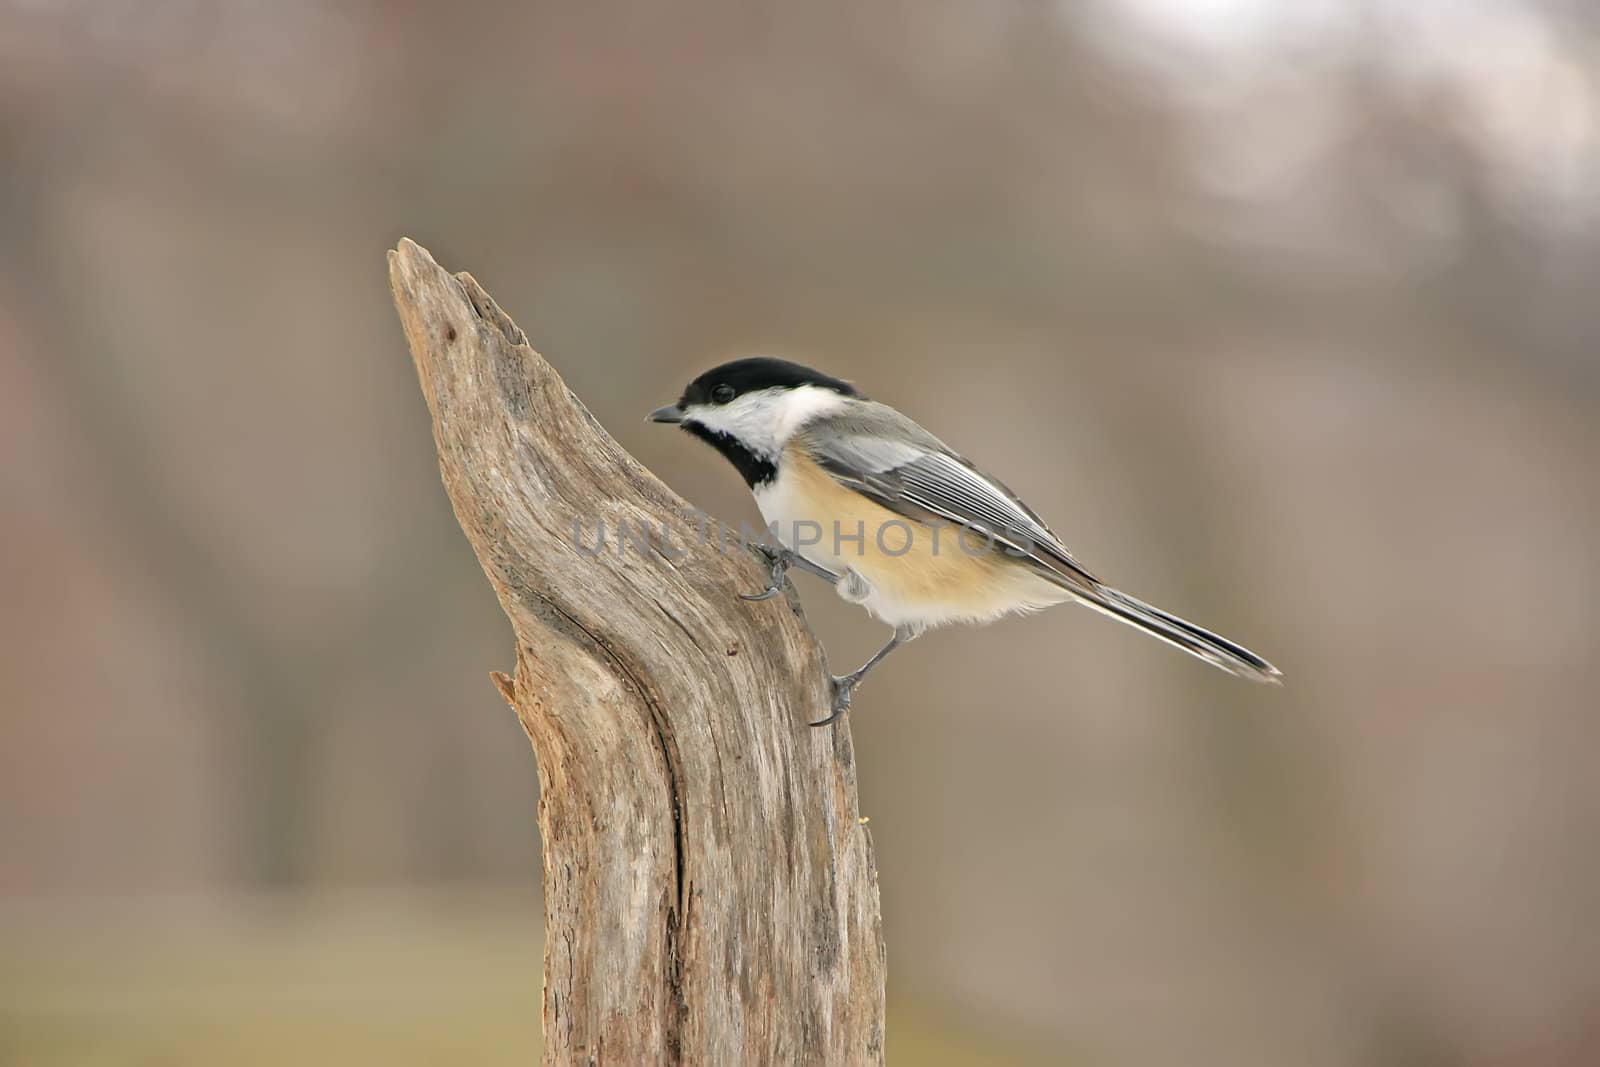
860, 495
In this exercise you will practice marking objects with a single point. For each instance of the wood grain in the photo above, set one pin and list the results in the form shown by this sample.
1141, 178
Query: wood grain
710, 892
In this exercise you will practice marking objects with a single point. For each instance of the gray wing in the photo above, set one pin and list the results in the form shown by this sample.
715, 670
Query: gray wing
888, 458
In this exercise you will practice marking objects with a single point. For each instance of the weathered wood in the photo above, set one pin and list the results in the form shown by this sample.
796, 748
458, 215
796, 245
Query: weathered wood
710, 893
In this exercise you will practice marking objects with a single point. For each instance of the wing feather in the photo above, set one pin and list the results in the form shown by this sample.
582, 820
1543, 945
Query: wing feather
891, 460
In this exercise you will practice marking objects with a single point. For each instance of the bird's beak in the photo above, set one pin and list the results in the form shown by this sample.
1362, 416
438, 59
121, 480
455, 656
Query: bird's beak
671, 414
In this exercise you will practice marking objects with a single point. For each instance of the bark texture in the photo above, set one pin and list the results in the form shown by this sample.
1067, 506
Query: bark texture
710, 893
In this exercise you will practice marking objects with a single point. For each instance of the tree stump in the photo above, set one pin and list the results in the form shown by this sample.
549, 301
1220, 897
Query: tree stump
710, 893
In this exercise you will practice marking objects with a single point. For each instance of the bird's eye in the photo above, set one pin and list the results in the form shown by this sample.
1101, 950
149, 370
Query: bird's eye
722, 394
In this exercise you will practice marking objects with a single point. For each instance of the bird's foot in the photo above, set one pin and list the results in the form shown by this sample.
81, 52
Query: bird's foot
842, 687
780, 560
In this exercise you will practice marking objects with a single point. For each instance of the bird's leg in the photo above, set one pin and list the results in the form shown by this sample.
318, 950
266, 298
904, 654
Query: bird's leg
844, 686
781, 559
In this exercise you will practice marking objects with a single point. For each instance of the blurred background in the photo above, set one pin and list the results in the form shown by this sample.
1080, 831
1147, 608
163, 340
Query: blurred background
1284, 315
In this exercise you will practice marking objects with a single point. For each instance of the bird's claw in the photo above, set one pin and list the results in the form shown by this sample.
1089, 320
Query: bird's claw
844, 686
843, 689
780, 570
781, 559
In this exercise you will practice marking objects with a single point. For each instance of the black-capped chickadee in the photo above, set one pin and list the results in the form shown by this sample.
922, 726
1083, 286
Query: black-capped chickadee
862, 496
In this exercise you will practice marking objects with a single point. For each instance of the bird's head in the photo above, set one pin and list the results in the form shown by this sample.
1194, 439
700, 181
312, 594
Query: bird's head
754, 404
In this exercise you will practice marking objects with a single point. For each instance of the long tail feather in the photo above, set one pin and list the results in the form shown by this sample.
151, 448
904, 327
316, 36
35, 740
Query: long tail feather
1197, 641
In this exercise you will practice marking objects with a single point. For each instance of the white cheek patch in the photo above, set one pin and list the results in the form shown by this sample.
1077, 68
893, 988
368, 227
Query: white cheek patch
800, 406
764, 421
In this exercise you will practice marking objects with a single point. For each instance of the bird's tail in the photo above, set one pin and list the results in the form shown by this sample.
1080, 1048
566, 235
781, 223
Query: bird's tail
1214, 649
